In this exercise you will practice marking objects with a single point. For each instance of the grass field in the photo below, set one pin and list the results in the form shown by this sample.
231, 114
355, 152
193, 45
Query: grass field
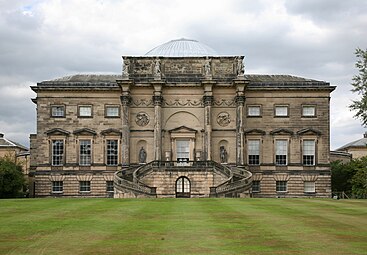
183, 226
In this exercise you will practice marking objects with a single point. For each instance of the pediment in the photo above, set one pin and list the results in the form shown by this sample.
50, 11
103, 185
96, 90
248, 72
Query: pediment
281, 131
84, 131
111, 131
57, 131
254, 131
308, 131
183, 129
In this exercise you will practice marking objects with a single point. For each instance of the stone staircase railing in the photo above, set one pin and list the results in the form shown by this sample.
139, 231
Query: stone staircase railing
243, 183
237, 180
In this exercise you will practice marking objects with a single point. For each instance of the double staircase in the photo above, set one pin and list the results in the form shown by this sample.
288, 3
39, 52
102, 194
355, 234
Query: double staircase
237, 180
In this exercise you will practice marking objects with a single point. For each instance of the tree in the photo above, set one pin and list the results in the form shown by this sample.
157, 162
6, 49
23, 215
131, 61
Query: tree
341, 176
360, 86
12, 180
350, 178
359, 183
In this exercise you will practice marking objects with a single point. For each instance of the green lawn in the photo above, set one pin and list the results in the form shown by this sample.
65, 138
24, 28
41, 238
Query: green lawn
183, 226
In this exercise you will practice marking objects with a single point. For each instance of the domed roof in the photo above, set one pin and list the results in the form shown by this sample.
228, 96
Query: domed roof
182, 48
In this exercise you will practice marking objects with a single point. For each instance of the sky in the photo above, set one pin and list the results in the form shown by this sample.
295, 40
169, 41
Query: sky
47, 39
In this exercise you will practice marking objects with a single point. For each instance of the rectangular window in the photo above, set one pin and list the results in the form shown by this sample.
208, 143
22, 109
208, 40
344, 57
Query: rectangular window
309, 187
255, 186
254, 152
57, 187
84, 186
308, 111
109, 186
112, 111
281, 186
58, 111
281, 111
57, 152
112, 152
309, 152
85, 111
253, 110
281, 152
85, 153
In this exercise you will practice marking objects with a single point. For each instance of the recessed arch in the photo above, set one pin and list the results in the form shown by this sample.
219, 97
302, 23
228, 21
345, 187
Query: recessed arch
181, 118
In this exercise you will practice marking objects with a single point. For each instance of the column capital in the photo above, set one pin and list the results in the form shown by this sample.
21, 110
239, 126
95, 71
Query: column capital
208, 100
157, 100
240, 100
125, 100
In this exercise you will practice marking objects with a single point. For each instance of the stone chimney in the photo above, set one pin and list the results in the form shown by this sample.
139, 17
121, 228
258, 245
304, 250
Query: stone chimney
1, 135
365, 134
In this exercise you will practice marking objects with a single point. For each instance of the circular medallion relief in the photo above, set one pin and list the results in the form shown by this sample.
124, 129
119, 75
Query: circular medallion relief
223, 119
142, 119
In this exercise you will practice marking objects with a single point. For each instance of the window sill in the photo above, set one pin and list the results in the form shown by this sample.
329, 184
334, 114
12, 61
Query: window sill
57, 192
84, 191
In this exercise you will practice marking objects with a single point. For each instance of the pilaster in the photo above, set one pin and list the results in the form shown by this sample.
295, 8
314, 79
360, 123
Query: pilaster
157, 101
125, 116
240, 105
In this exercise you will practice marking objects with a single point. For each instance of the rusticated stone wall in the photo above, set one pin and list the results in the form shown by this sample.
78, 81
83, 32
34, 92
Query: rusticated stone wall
200, 181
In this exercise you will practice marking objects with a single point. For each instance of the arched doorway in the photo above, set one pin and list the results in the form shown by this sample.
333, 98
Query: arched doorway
183, 187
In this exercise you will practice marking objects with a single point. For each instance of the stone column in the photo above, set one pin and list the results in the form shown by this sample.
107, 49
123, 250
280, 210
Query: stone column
240, 105
208, 102
125, 128
158, 101
240, 102
125, 116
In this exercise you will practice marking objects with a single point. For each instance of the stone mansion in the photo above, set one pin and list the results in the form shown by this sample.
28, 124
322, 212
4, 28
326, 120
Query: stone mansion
181, 121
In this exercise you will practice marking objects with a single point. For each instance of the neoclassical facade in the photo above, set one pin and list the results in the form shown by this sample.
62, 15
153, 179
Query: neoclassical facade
182, 121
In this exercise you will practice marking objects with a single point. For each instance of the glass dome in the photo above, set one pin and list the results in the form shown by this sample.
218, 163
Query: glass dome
182, 48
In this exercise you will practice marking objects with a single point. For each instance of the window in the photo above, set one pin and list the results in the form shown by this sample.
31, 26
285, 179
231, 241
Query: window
281, 152
309, 152
112, 152
58, 111
309, 187
254, 152
57, 152
254, 111
109, 186
112, 111
255, 186
281, 186
85, 154
281, 111
308, 111
85, 111
84, 186
57, 187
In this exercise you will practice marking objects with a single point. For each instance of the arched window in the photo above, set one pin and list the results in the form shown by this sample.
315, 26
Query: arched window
183, 187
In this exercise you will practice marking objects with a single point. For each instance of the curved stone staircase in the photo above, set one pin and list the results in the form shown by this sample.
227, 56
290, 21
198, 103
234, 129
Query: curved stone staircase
128, 182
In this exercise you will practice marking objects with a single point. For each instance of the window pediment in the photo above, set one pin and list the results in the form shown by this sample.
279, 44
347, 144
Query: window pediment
84, 131
254, 131
111, 131
281, 131
308, 131
183, 129
57, 131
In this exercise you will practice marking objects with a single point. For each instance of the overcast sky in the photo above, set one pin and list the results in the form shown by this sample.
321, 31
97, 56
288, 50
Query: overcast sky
46, 39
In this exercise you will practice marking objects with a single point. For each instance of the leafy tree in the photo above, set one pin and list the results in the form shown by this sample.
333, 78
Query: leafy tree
360, 86
12, 180
359, 183
350, 178
341, 175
